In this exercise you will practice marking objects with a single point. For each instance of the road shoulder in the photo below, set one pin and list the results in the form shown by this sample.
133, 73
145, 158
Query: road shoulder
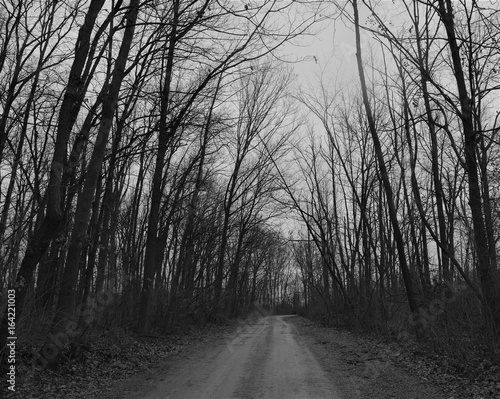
361, 367
138, 385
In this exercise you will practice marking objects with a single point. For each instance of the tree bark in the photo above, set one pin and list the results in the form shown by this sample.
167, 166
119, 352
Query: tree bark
53, 221
398, 237
145, 305
67, 293
487, 270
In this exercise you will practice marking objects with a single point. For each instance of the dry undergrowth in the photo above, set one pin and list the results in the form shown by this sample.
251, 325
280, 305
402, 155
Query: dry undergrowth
384, 369
112, 356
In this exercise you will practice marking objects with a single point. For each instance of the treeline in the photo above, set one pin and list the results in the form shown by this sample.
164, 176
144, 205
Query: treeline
399, 188
137, 141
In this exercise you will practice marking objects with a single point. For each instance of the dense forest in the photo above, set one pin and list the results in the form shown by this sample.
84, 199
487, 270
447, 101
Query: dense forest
160, 167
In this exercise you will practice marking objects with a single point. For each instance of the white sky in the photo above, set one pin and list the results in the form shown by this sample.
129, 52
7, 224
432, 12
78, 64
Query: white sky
328, 56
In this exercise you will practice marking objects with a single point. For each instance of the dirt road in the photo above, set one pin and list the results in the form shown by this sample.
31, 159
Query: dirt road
263, 360
280, 357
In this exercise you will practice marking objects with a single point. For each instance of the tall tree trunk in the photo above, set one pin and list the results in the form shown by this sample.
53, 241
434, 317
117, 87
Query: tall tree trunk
67, 294
165, 133
187, 242
51, 224
398, 237
436, 178
487, 270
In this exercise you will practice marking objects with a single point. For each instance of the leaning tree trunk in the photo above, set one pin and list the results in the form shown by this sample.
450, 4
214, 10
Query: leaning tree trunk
398, 237
145, 305
487, 269
51, 224
65, 314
